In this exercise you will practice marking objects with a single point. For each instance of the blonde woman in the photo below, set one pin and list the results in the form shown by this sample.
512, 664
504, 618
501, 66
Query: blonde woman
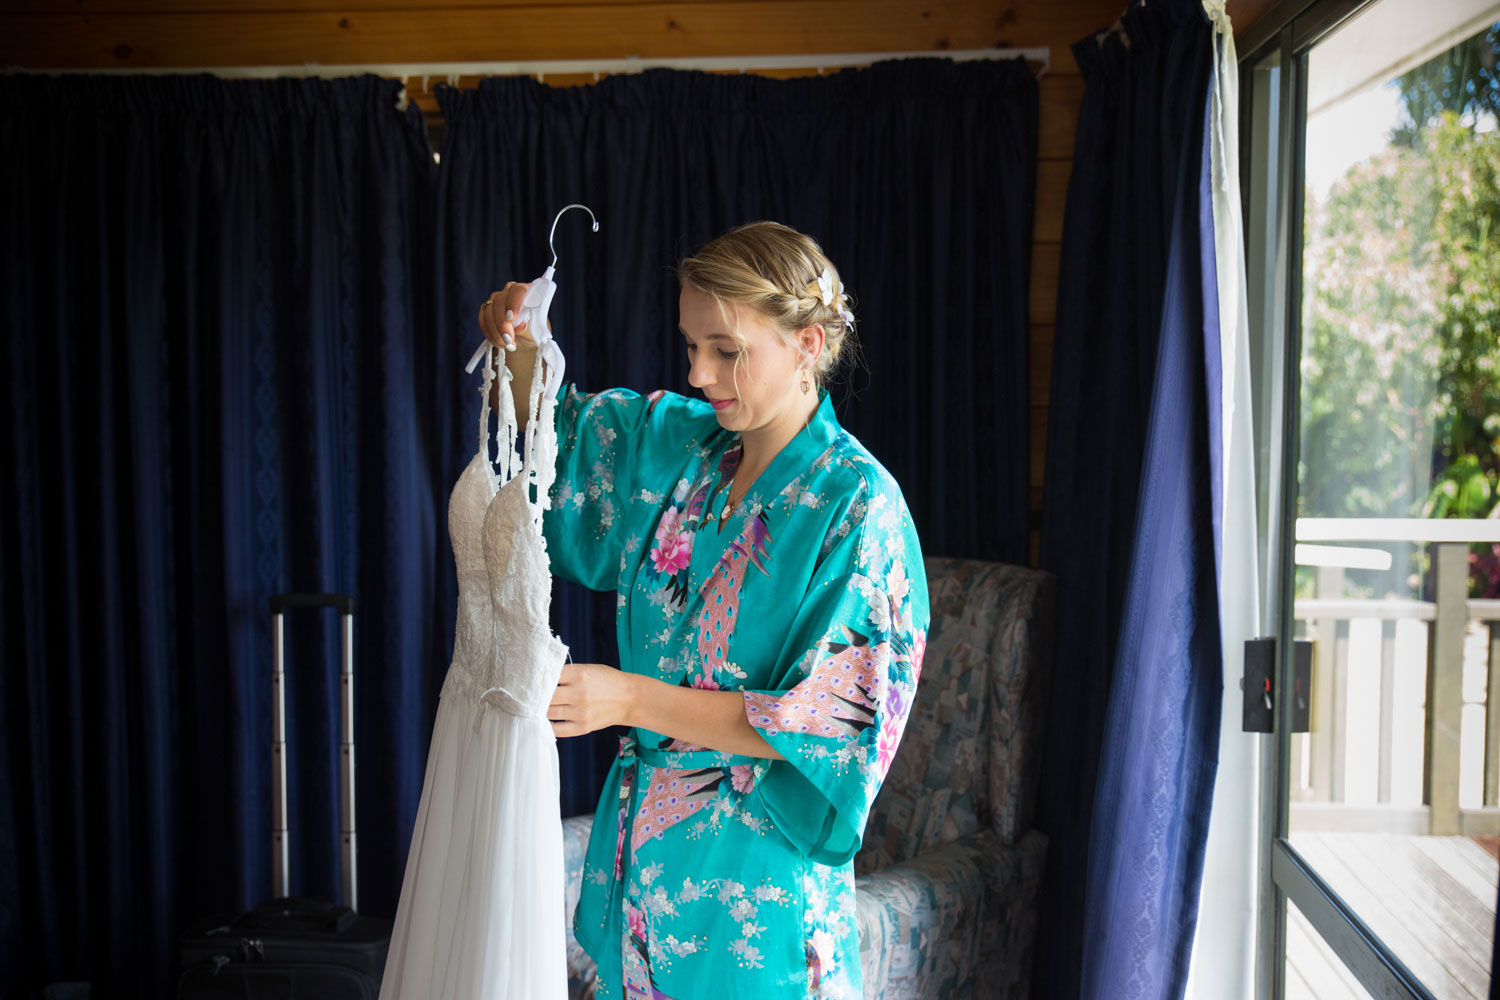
772, 616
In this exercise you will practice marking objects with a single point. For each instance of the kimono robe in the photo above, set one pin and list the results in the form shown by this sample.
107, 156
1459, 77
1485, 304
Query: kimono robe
710, 874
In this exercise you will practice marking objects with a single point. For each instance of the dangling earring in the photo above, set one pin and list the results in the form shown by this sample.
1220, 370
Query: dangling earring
805, 387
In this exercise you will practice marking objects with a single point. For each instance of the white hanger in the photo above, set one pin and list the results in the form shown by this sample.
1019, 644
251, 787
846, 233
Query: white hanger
534, 309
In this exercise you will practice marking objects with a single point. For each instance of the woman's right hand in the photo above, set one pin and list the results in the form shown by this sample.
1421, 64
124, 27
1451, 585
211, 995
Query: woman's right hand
497, 317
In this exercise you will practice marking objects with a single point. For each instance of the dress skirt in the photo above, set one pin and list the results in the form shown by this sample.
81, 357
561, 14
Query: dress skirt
481, 912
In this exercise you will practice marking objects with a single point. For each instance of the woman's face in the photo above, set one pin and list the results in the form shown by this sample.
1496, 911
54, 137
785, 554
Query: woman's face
765, 392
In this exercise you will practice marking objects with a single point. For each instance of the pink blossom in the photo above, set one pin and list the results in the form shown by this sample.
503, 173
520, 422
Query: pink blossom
637, 922
705, 681
890, 738
742, 777
1485, 572
670, 525
671, 555
918, 650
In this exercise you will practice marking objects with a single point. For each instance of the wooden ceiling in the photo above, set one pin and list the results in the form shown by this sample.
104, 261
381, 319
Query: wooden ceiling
119, 34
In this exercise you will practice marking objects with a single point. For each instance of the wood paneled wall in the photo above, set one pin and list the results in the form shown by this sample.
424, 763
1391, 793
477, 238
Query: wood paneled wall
168, 34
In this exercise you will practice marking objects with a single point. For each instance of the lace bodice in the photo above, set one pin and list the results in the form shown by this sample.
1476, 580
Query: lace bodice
504, 652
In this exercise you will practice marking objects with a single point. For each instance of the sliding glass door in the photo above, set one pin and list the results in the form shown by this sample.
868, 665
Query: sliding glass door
1372, 186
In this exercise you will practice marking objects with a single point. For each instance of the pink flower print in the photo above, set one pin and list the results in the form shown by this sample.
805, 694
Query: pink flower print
918, 650
670, 525
742, 777
890, 738
674, 547
672, 558
637, 921
705, 681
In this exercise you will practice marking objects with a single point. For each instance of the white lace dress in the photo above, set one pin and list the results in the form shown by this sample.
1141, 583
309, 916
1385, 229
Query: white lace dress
481, 910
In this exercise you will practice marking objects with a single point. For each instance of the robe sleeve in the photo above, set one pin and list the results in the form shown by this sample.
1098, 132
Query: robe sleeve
604, 441
837, 712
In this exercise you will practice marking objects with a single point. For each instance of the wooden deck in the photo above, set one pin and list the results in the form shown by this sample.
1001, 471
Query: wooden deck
1431, 899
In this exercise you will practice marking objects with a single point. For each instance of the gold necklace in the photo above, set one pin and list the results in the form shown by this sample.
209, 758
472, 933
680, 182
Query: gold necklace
729, 502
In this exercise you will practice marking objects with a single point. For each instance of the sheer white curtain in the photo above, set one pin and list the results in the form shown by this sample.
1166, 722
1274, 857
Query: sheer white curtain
1223, 961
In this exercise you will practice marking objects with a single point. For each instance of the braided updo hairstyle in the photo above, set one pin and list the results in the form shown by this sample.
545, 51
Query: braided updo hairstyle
775, 270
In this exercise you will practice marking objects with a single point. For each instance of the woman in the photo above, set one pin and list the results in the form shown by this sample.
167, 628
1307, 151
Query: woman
720, 859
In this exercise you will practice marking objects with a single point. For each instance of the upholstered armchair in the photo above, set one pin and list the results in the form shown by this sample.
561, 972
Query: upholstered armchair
950, 867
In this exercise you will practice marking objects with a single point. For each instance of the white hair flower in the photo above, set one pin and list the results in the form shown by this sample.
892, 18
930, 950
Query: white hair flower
831, 294
828, 288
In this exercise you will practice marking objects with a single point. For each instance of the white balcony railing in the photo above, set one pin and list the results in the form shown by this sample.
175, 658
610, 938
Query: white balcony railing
1405, 710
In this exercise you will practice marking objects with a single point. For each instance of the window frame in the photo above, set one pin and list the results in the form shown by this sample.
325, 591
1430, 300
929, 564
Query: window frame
1290, 31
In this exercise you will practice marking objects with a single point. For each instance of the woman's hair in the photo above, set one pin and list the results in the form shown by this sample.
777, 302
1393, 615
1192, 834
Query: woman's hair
775, 270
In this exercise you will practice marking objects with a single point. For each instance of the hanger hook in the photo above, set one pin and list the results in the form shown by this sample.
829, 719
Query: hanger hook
559, 215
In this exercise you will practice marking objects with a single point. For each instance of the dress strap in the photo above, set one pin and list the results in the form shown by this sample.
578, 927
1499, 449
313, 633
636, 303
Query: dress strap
488, 382
505, 433
538, 457
539, 461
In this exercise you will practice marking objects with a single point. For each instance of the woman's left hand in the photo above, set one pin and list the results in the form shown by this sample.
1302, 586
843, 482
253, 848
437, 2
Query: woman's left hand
589, 696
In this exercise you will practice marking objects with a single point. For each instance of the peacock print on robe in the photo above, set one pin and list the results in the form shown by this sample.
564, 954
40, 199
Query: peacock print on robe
710, 873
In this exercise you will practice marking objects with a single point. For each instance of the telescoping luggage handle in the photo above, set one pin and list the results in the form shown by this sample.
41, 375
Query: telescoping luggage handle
280, 846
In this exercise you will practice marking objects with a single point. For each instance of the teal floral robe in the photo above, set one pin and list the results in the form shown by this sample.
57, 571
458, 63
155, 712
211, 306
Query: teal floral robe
710, 874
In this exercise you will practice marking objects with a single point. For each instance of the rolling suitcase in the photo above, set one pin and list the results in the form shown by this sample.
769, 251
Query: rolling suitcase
289, 947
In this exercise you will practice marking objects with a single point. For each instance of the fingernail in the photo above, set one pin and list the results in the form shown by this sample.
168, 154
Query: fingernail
510, 342
510, 314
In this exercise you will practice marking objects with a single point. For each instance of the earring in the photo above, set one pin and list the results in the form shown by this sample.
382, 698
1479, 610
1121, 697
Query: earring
805, 387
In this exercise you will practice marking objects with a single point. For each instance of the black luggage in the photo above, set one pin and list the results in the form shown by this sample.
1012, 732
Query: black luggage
288, 947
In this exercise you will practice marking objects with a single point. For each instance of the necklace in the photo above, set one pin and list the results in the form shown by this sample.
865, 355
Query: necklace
729, 502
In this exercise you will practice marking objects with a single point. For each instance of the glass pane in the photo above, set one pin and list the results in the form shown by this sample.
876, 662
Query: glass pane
1400, 411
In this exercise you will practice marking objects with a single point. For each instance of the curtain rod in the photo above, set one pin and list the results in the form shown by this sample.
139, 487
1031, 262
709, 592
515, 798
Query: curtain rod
541, 68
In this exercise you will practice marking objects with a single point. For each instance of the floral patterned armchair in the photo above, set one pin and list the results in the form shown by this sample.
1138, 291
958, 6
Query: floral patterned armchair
950, 867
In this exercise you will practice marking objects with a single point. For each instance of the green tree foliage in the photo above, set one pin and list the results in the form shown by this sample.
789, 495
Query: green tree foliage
1401, 358
1466, 168
1462, 80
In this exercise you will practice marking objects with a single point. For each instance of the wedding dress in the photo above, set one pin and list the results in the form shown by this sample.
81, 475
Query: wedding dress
481, 909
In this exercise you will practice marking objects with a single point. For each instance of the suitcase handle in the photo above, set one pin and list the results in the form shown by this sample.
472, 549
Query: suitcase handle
280, 827
343, 602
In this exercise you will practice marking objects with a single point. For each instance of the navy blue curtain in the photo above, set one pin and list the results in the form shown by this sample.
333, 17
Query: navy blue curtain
1128, 521
217, 306
916, 177
236, 318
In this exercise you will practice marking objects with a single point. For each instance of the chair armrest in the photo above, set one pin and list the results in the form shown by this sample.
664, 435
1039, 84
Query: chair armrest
956, 921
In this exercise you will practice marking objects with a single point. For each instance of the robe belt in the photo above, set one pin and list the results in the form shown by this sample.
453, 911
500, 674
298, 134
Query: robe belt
684, 760
630, 756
